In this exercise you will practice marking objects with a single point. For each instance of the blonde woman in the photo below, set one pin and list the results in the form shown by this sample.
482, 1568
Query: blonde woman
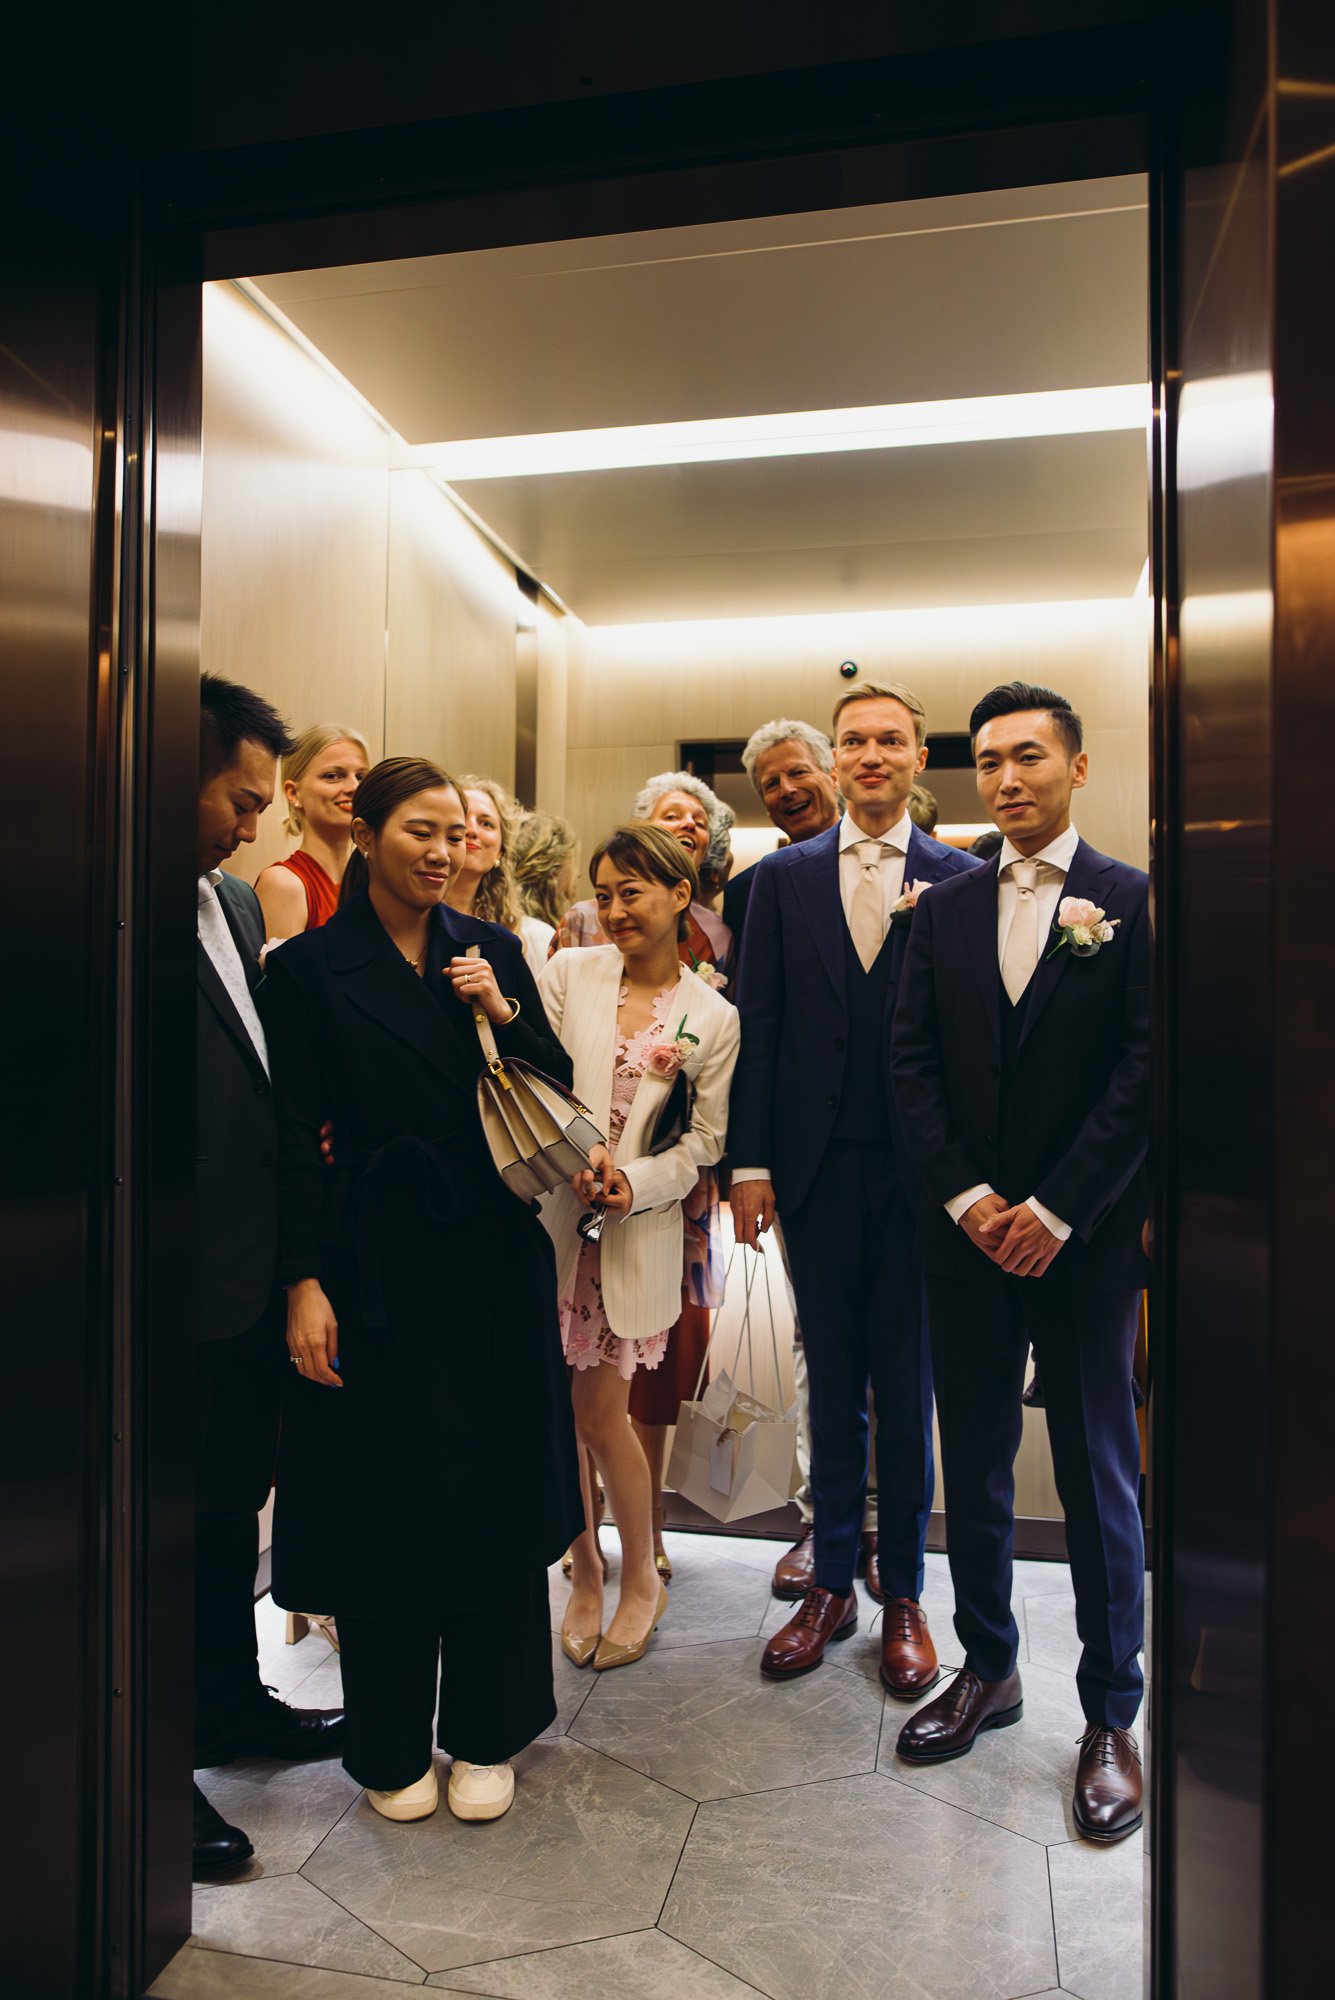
545, 858
631, 1017
320, 774
485, 885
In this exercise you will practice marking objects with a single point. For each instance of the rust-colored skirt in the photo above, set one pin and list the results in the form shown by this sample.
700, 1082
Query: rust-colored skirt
656, 1394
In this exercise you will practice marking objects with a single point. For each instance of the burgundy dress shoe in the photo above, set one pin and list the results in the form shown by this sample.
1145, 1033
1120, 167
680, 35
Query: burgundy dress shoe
948, 1725
871, 1564
909, 1666
795, 1573
1107, 1804
800, 1645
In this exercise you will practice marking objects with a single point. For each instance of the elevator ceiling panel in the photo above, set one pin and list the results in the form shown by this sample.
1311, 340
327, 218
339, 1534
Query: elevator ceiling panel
961, 296
989, 523
973, 295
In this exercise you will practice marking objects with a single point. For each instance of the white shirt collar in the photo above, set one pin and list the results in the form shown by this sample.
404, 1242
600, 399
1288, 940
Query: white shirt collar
1059, 853
897, 836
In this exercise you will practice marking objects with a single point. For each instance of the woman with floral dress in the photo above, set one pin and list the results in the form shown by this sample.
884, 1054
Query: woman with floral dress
631, 1017
685, 807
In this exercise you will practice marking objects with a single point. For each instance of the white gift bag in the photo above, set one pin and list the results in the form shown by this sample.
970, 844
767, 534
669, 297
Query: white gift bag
732, 1454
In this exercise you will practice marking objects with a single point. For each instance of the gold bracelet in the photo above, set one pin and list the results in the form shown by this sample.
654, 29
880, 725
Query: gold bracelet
515, 1015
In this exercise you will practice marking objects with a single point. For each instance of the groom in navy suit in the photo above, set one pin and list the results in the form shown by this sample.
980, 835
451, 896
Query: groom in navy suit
1020, 1058
813, 1131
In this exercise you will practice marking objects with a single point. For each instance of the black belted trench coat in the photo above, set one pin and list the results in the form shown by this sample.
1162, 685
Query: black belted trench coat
447, 1459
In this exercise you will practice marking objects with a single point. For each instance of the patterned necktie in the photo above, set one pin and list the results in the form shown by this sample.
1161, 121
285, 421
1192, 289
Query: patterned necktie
1021, 953
866, 918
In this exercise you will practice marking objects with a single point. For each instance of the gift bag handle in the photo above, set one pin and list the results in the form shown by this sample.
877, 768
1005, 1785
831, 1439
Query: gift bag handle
744, 1332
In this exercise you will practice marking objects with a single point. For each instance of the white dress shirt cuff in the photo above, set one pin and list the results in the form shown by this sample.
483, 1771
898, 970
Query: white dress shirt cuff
962, 1203
1061, 1230
748, 1174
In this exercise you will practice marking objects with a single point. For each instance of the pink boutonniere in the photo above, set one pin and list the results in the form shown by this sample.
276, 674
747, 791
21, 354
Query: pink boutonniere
1082, 926
902, 911
709, 973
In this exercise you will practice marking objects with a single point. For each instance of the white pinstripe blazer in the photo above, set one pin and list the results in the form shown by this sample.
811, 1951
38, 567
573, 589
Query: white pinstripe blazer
643, 1252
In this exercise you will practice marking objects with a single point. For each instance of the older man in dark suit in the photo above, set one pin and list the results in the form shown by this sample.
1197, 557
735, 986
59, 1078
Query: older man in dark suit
242, 1353
1020, 1059
812, 1130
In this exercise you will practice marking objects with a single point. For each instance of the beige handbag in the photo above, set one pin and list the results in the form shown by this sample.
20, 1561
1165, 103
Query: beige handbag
538, 1134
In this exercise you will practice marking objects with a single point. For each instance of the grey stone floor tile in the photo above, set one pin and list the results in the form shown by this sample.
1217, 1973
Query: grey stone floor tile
286, 1809
710, 1596
1098, 1907
702, 1720
284, 1667
322, 1687
1050, 1625
195, 1974
645, 1964
1042, 1579
587, 1850
914, 1898
1020, 1778
288, 1917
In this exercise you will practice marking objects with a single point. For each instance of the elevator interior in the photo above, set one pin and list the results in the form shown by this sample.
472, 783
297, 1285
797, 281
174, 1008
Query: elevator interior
555, 510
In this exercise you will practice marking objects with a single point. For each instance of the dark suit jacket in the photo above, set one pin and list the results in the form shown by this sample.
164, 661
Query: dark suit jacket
236, 1139
736, 899
793, 1001
1079, 1127
363, 1044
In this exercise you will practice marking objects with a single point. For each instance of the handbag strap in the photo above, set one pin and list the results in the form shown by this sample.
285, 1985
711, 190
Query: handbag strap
483, 1025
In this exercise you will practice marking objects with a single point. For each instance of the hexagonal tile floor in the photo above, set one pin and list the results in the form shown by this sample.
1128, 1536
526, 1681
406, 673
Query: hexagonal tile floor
688, 1831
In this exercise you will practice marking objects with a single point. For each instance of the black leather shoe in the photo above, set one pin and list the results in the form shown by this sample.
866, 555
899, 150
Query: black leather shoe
947, 1726
219, 1849
293, 1735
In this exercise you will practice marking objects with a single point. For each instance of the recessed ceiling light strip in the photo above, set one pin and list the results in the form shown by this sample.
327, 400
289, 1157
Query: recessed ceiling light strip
880, 427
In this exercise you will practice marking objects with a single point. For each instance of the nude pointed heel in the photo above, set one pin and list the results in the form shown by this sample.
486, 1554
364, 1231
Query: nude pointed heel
608, 1655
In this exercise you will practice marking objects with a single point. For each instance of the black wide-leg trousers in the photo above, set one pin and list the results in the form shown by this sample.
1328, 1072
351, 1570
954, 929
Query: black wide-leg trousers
238, 1395
494, 1661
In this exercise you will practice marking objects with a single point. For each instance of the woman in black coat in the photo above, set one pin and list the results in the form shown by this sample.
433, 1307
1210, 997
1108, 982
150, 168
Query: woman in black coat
427, 1474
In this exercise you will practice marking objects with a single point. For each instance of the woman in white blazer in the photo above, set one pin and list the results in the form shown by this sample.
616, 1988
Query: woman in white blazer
630, 1017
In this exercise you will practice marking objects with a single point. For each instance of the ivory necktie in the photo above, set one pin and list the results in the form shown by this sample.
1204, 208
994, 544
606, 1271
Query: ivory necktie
867, 915
1021, 953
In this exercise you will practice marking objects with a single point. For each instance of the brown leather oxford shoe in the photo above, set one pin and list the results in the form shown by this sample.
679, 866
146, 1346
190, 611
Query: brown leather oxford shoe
909, 1666
948, 1725
1107, 1804
871, 1563
800, 1645
795, 1573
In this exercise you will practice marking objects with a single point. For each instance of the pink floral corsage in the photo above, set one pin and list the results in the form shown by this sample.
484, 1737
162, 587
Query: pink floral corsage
709, 973
1083, 927
665, 1058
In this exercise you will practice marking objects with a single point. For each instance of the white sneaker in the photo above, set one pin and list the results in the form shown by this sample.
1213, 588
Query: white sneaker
480, 1791
417, 1801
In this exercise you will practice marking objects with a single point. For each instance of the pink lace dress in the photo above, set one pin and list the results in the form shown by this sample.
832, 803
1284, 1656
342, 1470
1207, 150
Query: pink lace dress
585, 1334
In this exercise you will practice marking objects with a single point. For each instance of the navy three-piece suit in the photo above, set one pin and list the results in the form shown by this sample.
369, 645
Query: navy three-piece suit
1047, 1098
811, 1103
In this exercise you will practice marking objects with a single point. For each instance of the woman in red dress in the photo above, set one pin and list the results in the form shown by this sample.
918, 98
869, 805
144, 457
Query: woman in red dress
320, 774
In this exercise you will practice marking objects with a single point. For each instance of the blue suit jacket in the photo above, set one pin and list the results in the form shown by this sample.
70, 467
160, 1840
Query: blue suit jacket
793, 1000
1079, 1126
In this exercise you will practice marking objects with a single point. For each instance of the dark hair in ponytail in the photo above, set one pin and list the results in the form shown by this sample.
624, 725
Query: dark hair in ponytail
384, 788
